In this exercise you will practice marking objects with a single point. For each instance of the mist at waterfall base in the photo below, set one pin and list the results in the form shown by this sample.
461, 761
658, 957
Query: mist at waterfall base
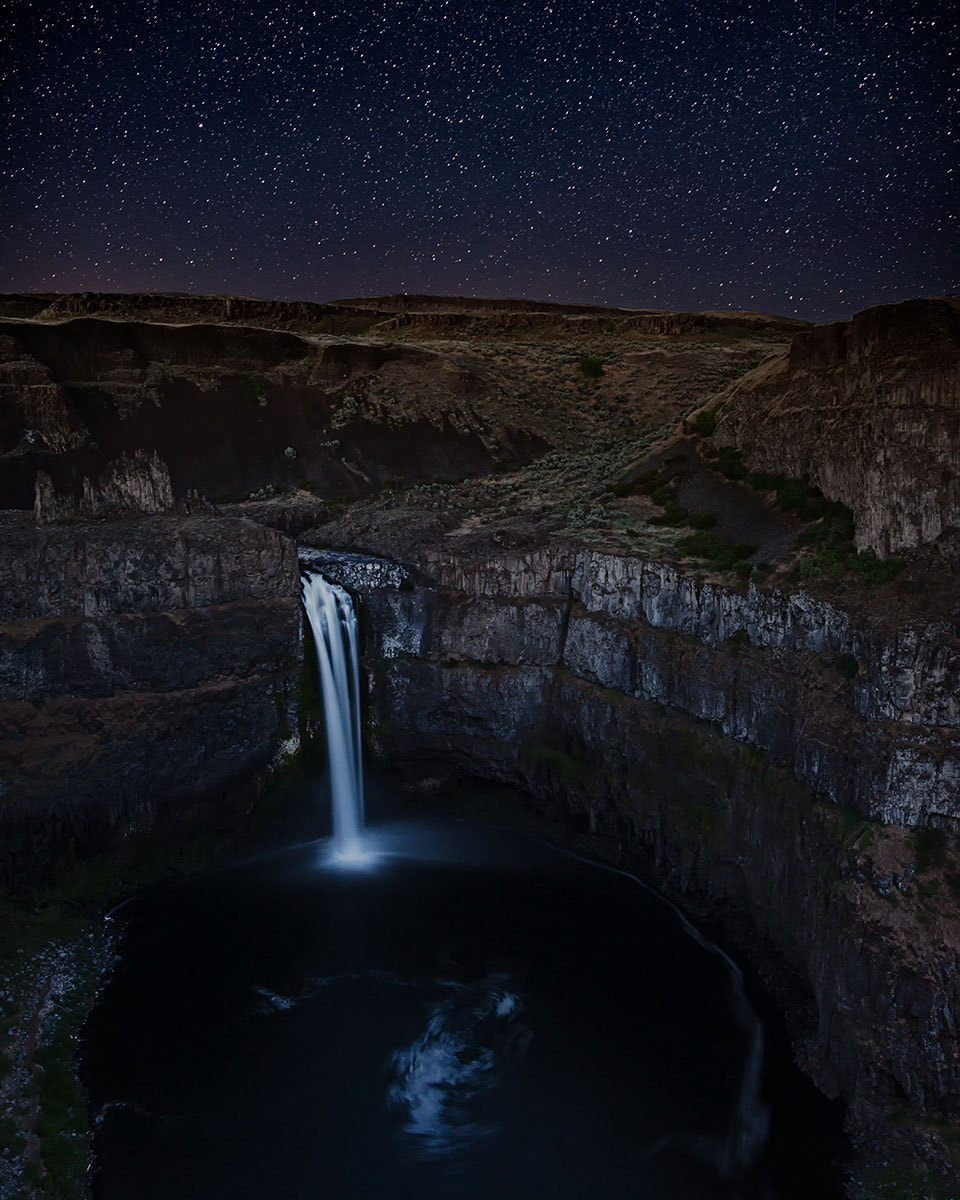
426, 1009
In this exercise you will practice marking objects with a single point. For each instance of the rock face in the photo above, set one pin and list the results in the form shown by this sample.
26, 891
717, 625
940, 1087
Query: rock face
146, 666
232, 410
134, 484
870, 410
766, 669
183, 307
707, 735
488, 319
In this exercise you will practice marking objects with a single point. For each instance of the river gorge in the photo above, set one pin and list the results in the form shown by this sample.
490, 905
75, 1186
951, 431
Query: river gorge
570, 710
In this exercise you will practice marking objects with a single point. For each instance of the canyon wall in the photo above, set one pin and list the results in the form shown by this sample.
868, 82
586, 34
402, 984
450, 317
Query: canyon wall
146, 666
233, 410
869, 409
763, 757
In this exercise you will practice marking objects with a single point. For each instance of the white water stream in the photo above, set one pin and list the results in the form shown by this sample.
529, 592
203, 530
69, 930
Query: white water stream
333, 622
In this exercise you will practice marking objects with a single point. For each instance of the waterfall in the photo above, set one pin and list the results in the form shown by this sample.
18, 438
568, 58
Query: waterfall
333, 621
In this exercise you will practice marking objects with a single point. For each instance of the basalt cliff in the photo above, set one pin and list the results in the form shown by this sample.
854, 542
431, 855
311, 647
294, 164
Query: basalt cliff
687, 583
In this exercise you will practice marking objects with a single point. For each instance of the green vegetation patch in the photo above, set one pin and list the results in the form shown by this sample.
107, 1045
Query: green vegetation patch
828, 541
830, 555
704, 423
729, 462
847, 665
254, 389
906, 1180
51, 963
565, 766
930, 847
695, 820
673, 514
714, 549
590, 366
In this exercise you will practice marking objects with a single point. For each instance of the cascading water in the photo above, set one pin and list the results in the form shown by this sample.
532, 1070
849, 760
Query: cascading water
333, 622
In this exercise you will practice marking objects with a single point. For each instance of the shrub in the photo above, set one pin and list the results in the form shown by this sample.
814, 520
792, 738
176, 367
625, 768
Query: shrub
814, 507
590, 367
847, 665
704, 423
254, 390
876, 570
730, 463
714, 549
763, 481
702, 520
792, 495
930, 846
673, 514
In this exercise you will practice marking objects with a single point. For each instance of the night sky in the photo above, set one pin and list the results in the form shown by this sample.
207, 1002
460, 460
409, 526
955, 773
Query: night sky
791, 157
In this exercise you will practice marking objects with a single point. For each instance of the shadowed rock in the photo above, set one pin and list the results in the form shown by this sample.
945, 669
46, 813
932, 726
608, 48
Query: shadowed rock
869, 409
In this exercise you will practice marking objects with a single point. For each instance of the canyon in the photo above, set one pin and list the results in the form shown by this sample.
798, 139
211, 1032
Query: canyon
760, 716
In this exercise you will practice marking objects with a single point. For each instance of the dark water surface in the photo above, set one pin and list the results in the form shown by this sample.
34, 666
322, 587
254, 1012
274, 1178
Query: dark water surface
471, 1014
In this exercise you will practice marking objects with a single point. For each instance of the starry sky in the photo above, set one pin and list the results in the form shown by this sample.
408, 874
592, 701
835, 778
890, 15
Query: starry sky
787, 156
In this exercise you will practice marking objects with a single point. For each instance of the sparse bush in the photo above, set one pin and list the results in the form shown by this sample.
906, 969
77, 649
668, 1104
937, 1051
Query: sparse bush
673, 514
834, 556
792, 495
704, 423
730, 463
714, 549
847, 665
930, 847
254, 389
764, 481
876, 570
590, 366
649, 482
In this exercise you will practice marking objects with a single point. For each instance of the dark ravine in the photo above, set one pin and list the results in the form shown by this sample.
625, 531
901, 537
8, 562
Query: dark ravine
700, 735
